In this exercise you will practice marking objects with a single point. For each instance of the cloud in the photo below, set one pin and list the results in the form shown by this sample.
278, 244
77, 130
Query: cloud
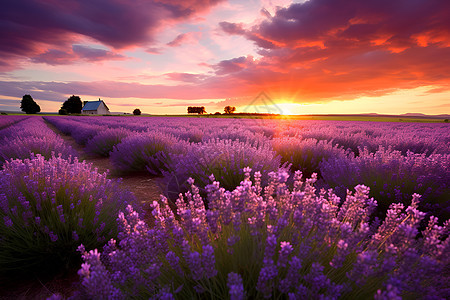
327, 49
233, 65
238, 29
154, 50
94, 54
183, 38
178, 40
232, 28
77, 53
54, 57
186, 77
29, 27
264, 12
212, 88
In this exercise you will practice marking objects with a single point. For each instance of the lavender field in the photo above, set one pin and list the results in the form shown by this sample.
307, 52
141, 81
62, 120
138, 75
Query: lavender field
249, 208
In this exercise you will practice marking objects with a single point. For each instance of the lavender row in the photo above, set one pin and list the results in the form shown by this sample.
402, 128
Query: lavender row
180, 148
271, 242
80, 131
48, 207
6, 121
224, 159
415, 137
30, 137
393, 177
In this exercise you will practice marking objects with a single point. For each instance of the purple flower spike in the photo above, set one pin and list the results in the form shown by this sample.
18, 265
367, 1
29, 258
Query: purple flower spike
285, 251
235, 286
7, 221
209, 261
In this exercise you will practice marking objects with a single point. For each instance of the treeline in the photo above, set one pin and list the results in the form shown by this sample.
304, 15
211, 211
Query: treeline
196, 110
228, 110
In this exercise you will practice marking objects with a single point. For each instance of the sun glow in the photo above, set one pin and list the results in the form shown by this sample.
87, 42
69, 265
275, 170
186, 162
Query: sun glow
289, 108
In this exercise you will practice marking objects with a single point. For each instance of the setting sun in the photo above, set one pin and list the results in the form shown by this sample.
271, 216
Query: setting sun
289, 108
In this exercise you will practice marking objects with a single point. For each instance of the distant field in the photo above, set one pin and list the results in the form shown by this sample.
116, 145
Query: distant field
320, 117
367, 118
382, 118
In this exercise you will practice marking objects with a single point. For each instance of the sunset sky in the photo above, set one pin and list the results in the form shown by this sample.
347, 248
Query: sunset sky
309, 57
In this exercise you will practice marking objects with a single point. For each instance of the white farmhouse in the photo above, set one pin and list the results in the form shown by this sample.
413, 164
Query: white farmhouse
95, 108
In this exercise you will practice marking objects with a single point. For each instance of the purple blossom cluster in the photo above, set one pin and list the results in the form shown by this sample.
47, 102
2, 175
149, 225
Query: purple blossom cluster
29, 137
81, 129
306, 154
6, 121
394, 177
48, 207
414, 137
237, 133
271, 241
150, 150
104, 141
225, 159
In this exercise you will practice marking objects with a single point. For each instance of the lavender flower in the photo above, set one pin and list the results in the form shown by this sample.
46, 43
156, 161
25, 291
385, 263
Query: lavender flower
235, 286
104, 141
326, 250
31, 137
57, 212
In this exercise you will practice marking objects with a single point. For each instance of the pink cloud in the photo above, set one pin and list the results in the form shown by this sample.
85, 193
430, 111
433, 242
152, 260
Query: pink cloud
94, 54
183, 38
178, 40
28, 26
77, 53
233, 65
186, 77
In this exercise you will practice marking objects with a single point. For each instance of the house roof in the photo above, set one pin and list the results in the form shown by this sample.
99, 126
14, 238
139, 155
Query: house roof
93, 105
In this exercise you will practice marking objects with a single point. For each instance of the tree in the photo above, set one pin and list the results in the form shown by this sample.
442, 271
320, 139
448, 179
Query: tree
62, 111
229, 109
196, 110
28, 105
137, 112
73, 105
